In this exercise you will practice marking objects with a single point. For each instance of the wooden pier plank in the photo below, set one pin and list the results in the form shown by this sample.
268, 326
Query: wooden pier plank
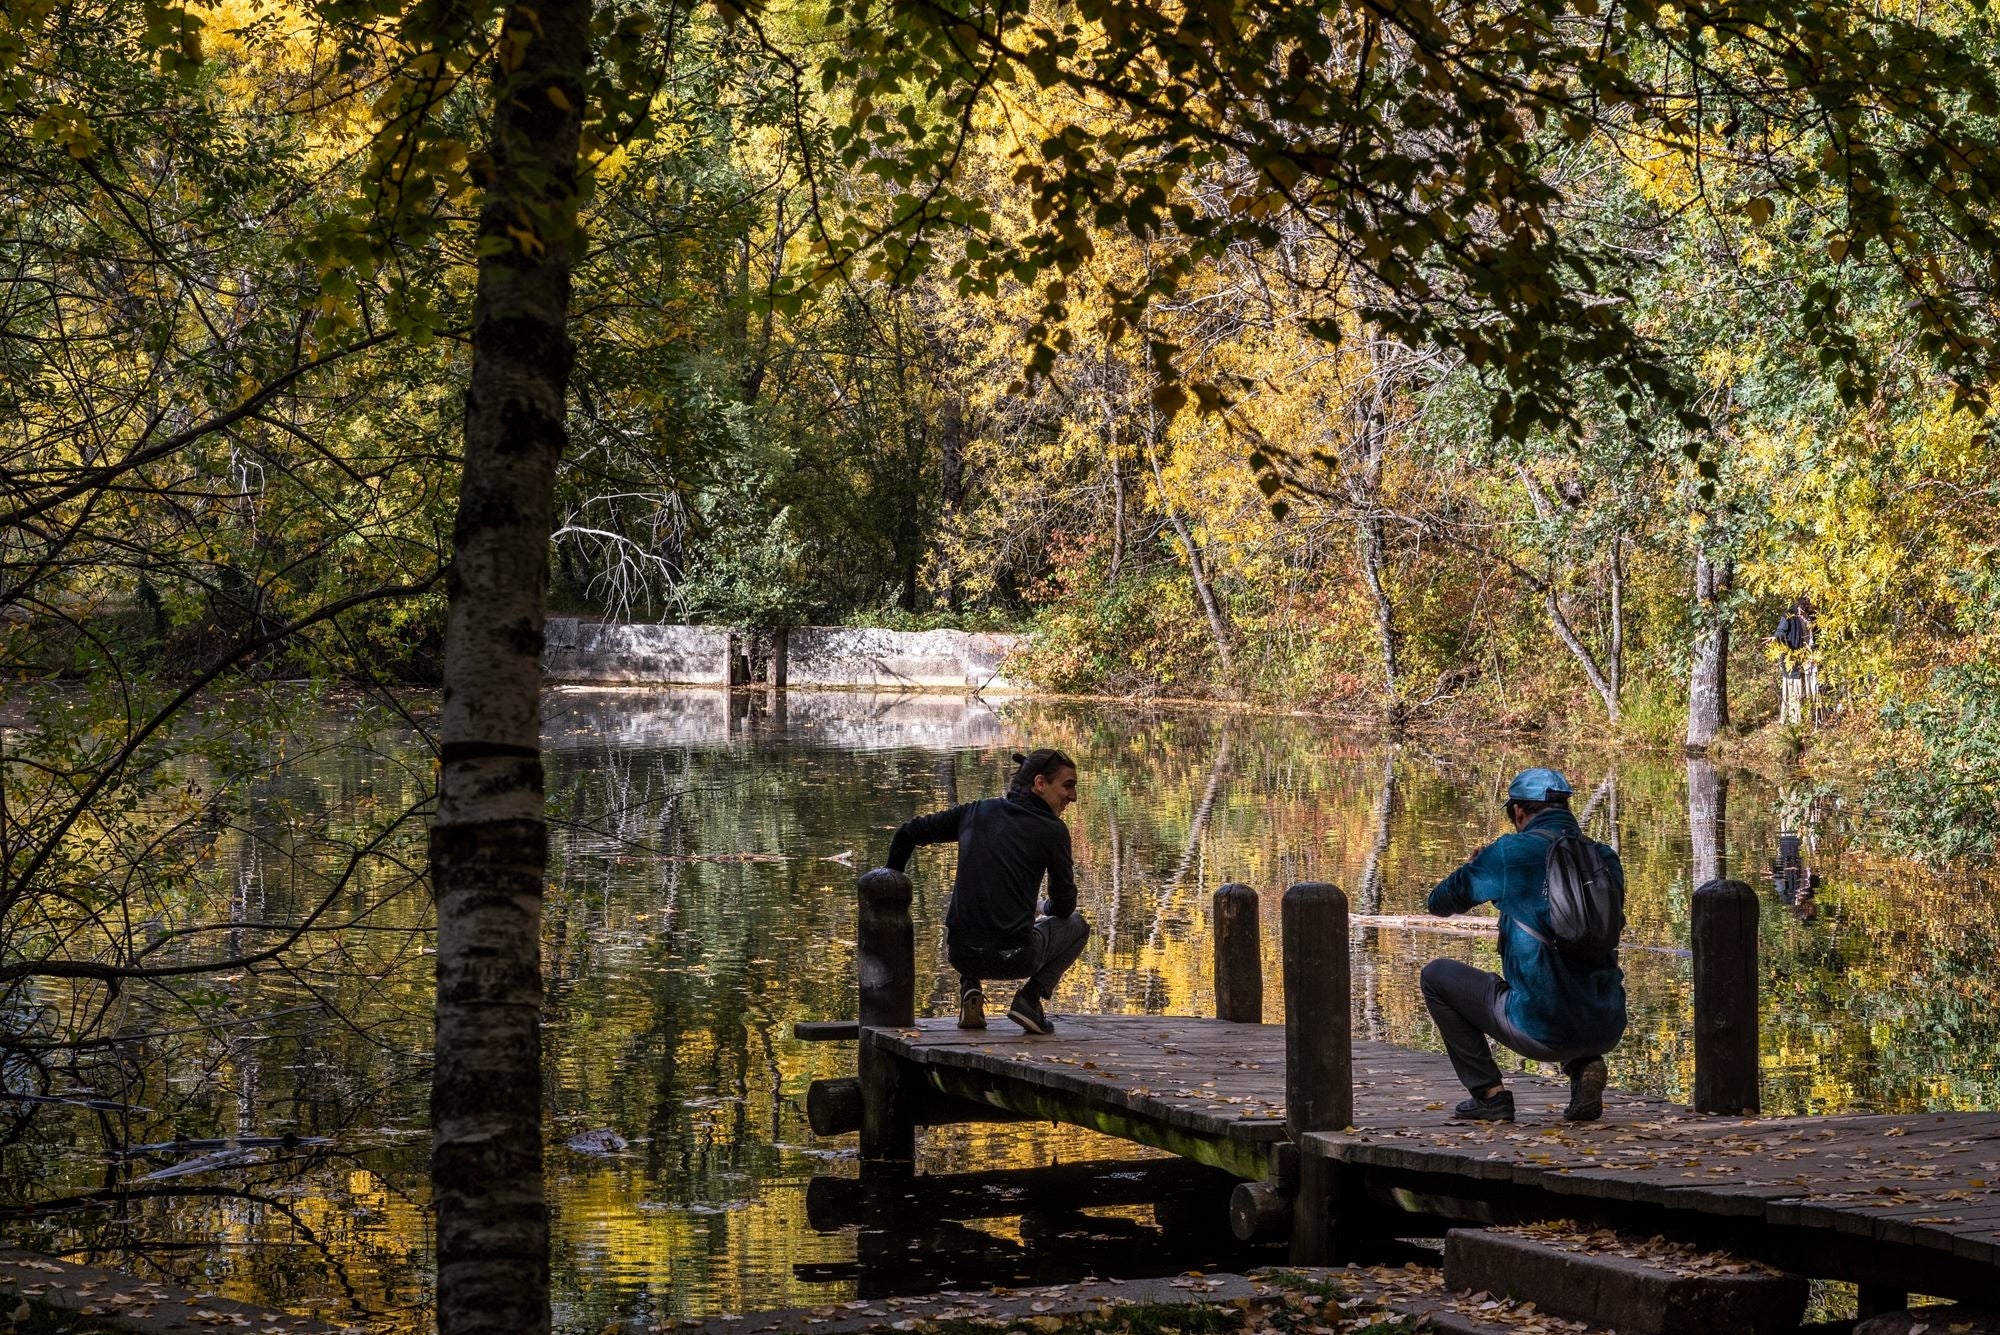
1215, 1090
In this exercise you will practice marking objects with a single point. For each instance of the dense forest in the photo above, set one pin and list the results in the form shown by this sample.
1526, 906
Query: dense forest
1505, 364
194, 291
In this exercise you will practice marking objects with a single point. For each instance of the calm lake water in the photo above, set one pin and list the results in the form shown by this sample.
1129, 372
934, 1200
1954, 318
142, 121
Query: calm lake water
702, 901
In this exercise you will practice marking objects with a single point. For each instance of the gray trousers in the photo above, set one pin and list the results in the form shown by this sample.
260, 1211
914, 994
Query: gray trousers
1058, 944
1470, 1006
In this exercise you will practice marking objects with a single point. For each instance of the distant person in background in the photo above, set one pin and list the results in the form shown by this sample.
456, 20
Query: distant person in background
1543, 1004
1006, 846
1795, 627
1798, 668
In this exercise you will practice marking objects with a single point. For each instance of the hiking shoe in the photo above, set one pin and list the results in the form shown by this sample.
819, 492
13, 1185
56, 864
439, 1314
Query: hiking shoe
1586, 1091
1499, 1108
972, 1009
1028, 1013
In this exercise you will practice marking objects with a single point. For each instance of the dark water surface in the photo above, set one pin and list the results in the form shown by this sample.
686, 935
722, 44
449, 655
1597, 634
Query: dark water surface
701, 902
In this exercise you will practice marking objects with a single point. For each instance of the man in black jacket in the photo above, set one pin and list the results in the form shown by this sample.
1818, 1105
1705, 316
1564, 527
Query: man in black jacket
1005, 847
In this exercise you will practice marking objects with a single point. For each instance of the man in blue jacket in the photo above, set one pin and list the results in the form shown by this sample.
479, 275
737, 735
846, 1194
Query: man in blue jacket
1542, 1004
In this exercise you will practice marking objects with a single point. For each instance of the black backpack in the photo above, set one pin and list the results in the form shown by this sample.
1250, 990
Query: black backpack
1586, 899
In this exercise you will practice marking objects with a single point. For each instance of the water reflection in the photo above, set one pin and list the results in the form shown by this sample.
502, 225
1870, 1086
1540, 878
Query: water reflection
701, 902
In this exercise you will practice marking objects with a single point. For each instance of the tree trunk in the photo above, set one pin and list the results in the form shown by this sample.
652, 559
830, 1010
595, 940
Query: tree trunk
1617, 653
1605, 686
1708, 682
1368, 533
1117, 519
1581, 652
1218, 627
489, 841
1363, 477
951, 486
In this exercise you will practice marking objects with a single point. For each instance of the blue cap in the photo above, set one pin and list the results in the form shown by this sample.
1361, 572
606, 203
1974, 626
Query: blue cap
1538, 785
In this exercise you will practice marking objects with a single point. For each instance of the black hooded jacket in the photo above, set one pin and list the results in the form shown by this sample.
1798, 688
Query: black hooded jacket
1005, 846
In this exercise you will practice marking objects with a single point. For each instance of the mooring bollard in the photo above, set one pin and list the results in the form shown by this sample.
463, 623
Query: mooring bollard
1319, 1050
1239, 959
886, 963
1725, 999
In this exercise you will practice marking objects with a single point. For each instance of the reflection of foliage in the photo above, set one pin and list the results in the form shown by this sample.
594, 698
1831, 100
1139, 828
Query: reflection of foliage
231, 944
1946, 806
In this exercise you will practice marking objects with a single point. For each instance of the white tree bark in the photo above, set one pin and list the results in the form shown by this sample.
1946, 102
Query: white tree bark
489, 841
1708, 680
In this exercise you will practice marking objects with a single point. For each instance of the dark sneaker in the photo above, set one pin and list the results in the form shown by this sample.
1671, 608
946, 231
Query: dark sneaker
1028, 1013
972, 1009
1499, 1108
1586, 1090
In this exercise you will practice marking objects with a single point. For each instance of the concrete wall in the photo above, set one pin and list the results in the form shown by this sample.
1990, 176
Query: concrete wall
612, 653
926, 660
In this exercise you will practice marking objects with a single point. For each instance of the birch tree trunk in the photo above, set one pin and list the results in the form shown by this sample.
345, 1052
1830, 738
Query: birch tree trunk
489, 842
1607, 687
1708, 681
1117, 520
1388, 636
1218, 625
1365, 457
1617, 651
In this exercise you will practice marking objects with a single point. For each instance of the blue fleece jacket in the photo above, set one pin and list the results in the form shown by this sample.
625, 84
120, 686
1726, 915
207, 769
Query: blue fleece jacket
1549, 998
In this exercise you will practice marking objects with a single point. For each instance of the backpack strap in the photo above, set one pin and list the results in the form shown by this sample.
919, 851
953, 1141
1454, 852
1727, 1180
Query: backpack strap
1553, 838
1537, 935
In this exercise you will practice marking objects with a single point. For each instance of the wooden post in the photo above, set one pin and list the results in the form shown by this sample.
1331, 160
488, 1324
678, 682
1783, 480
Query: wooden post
1239, 962
885, 960
1260, 1211
1319, 1051
1725, 999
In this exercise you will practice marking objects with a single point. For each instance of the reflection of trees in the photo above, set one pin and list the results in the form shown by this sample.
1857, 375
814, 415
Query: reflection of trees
1368, 900
249, 961
1368, 892
1603, 798
1707, 798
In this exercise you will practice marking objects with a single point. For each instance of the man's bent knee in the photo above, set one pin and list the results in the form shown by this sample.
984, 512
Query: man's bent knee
1431, 980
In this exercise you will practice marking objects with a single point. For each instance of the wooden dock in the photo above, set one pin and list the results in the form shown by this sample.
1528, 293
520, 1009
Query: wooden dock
1896, 1204
1903, 1203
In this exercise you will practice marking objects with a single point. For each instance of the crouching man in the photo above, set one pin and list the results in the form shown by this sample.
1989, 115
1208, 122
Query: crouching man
1006, 846
1549, 1002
